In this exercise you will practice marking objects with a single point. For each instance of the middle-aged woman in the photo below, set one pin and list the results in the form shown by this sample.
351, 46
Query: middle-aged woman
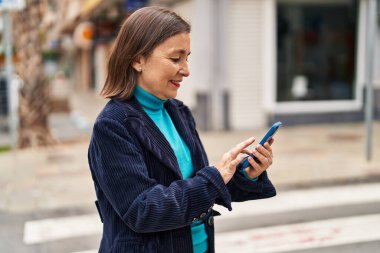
154, 185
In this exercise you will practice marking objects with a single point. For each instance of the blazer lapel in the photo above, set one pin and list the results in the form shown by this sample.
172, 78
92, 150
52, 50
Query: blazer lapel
149, 135
184, 131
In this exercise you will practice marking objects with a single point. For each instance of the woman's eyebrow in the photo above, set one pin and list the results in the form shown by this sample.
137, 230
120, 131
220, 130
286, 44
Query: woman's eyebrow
181, 51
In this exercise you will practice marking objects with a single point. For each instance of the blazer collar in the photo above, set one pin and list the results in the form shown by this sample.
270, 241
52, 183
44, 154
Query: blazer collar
182, 125
143, 127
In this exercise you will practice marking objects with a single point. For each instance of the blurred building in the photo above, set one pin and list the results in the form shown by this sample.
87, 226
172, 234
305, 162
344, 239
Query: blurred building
253, 61
299, 61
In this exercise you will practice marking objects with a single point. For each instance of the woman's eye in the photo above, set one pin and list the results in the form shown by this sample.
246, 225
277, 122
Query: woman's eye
175, 60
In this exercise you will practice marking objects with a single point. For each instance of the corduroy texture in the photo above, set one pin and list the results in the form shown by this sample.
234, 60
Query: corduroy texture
145, 204
155, 109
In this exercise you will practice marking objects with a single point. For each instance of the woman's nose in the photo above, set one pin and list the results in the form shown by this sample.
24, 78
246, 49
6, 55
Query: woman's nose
185, 70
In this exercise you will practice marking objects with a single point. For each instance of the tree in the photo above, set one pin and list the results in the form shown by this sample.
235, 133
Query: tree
34, 94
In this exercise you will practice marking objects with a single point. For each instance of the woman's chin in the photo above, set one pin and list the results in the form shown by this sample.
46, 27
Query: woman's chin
172, 95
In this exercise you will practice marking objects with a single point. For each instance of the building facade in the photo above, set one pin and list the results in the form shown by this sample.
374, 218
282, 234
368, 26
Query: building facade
300, 61
253, 61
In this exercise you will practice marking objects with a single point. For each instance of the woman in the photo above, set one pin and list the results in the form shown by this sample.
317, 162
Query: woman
154, 185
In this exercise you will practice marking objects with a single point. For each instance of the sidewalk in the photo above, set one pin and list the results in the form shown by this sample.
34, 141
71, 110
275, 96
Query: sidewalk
58, 177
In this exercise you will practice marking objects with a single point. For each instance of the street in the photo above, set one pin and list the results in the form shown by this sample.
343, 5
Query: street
327, 219
67, 71
331, 219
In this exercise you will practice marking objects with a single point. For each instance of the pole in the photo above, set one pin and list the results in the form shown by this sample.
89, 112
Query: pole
219, 58
12, 91
370, 41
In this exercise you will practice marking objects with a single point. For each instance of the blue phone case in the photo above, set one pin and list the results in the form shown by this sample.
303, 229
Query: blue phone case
244, 163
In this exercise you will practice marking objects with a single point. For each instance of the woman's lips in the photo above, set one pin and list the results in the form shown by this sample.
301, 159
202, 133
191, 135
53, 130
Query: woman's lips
176, 84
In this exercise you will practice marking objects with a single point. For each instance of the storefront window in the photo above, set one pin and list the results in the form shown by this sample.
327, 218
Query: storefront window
316, 49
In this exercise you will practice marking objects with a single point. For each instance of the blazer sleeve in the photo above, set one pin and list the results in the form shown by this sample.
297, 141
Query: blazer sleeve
242, 189
119, 169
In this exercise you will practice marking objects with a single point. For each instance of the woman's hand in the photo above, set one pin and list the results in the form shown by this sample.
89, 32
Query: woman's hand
265, 156
227, 165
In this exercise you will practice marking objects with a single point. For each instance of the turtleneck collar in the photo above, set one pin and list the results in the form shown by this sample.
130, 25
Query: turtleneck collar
147, 100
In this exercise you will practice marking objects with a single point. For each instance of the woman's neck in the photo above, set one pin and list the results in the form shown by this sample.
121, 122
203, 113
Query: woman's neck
147, 100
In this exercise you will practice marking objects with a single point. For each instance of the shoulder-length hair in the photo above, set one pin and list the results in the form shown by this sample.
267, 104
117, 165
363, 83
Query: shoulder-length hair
139, 35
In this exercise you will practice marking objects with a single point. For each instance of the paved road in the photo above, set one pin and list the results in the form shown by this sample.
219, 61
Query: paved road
331, 219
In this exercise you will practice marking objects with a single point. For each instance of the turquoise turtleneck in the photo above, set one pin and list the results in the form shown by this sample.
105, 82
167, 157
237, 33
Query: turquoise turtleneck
155, 109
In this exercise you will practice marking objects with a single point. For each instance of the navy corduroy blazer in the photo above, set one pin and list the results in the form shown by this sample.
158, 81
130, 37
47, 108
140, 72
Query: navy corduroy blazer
143, 201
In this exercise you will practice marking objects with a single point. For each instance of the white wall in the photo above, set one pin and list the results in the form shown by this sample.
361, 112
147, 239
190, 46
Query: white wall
246, 60
197, 13
249, 59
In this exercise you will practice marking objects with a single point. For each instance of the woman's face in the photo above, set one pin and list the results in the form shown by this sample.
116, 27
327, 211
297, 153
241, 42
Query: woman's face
162, 72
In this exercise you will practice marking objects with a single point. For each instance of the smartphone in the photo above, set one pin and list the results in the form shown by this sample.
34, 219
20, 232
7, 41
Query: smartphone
244, 163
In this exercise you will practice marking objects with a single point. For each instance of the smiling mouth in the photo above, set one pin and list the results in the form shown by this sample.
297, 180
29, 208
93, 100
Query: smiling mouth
176, 84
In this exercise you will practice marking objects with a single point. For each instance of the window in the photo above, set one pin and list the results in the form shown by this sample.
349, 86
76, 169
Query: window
316, 50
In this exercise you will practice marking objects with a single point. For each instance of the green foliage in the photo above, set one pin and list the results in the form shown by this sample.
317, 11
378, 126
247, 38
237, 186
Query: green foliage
4, 149
52, 55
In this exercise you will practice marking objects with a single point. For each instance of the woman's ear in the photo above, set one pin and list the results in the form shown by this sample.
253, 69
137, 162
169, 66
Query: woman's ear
138, 63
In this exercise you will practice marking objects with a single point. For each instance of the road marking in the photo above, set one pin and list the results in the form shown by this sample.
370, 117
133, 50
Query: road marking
40, 231
304, 199
301, 236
